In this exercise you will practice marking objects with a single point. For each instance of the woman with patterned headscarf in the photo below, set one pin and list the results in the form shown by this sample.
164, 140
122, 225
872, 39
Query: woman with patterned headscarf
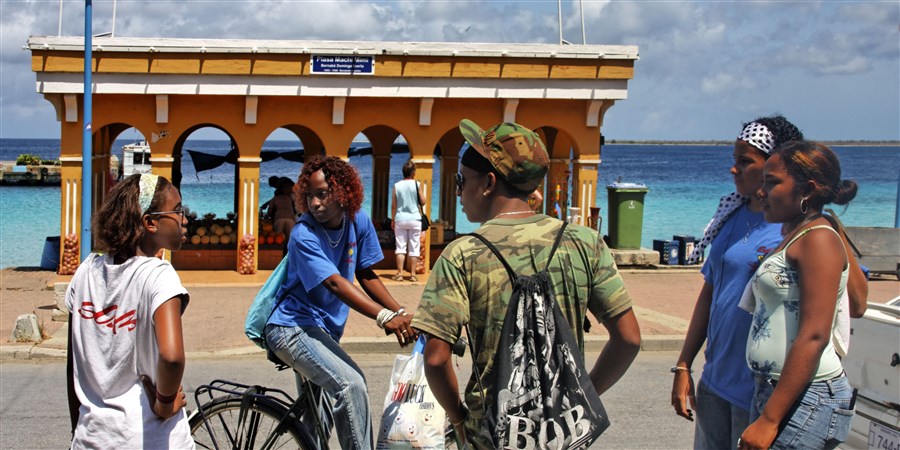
740, 238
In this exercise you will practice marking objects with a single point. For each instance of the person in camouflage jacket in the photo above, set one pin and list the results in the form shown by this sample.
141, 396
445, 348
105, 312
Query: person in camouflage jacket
468, 285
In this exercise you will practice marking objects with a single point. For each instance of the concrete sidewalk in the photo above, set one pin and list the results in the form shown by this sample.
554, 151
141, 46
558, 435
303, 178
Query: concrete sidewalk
214, 319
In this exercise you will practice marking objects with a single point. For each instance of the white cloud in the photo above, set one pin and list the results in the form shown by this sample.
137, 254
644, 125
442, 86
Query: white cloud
726, 82
705, 67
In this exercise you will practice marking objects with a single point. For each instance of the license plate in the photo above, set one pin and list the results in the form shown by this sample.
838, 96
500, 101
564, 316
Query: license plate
882, 437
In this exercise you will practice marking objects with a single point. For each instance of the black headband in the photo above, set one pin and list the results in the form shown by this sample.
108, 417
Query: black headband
476, 161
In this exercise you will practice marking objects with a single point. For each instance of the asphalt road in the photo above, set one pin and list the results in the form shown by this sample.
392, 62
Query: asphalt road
33, 411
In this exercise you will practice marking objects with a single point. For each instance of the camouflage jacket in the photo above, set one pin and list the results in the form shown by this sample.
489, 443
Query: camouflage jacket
469, 285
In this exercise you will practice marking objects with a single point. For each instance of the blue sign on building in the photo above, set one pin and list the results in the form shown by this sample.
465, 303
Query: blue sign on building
343, 65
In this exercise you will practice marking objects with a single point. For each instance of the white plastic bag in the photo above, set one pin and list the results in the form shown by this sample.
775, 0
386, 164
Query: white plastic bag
412, 418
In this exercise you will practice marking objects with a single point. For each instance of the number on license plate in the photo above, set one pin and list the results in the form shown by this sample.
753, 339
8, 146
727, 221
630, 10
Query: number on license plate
883, 438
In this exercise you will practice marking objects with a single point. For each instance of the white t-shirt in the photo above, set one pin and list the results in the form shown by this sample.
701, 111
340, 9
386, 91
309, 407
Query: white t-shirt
113, 344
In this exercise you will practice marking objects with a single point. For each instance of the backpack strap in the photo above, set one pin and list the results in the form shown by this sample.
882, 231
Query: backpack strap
513, 277
509, 270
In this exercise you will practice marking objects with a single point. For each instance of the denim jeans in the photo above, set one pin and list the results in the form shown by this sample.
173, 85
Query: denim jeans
819, 419
311, 352
719, 423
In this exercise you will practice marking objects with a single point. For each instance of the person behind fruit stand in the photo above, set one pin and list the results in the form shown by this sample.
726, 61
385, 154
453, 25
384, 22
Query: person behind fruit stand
274, 182
406, 220
333, 243
281, 210
126, 353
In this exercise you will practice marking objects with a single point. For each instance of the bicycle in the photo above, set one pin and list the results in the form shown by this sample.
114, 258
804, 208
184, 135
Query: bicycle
250, 417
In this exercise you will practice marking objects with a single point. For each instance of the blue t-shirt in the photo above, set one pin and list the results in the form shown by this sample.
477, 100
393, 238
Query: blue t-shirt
312, 260
735, 253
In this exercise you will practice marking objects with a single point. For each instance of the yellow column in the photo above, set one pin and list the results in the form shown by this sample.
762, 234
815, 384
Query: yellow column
557, 187
449, 167
381, 188
585, 186
450, 145
247, 191
424, 175
382, 140
70, 198
162, 165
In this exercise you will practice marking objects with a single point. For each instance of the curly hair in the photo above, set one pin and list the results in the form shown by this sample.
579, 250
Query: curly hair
782, 129
117, 226
343, 181
808, 160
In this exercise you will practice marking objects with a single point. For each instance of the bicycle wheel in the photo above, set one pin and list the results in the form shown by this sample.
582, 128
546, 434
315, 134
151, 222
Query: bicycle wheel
222, 430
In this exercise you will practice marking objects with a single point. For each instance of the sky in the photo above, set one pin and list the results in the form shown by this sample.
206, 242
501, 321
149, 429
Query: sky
705, 68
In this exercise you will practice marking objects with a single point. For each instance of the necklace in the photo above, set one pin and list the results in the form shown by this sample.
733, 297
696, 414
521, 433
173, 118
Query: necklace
334, 242
751, 228
512, 213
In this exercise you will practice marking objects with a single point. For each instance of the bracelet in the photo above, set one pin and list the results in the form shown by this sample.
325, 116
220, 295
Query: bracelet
676, 369
165, 398
384, 316
461, 421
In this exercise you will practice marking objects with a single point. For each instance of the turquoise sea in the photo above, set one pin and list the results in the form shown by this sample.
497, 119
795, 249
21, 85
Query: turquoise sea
685, 183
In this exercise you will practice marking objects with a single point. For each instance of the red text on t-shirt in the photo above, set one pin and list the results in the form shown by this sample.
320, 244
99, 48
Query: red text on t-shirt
107, 317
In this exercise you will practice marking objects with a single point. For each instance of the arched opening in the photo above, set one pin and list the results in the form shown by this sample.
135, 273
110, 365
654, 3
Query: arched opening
283, 154
130, 153
558, 188
205, 171
379, 152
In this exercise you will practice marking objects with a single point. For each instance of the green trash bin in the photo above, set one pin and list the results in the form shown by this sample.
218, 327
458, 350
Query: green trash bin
626, 214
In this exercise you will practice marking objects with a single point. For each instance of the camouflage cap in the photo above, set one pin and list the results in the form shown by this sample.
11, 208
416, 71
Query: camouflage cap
517, 153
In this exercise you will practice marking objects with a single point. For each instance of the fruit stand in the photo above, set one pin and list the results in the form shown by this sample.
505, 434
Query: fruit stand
212, 244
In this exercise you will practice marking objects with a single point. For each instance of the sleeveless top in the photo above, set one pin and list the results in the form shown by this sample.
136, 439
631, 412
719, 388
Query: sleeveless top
776, 319
407, 201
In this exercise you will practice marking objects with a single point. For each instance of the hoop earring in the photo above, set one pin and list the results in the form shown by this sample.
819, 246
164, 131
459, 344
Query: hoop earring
804, 205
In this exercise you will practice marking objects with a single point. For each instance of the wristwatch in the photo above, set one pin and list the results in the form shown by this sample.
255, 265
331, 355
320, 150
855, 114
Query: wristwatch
676, 369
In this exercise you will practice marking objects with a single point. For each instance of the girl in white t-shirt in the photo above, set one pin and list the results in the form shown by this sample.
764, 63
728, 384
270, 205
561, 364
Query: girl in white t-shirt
126, 353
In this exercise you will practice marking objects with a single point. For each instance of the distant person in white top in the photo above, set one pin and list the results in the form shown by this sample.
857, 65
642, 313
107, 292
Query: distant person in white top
406, 220
126, 353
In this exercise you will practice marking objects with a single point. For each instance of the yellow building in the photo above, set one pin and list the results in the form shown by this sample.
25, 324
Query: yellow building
326, 93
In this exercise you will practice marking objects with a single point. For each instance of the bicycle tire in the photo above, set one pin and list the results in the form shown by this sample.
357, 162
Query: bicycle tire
222, 415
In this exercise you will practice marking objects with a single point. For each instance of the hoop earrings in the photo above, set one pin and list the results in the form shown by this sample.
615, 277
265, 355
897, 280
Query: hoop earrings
804, 205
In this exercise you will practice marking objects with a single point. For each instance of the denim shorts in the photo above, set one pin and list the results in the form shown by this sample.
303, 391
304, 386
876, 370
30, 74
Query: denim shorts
819, 419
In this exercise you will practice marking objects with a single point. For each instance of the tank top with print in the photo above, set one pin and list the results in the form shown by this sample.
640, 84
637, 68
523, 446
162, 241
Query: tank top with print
776, 286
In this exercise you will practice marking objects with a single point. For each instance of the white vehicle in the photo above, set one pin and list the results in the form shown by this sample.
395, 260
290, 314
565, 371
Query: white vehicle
135, 158
873, 366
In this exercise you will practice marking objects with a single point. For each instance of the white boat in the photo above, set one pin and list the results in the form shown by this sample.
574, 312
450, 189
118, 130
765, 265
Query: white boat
135, 158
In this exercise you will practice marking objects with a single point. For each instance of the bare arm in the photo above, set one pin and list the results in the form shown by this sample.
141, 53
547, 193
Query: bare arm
857, 285
421, 193
74, 403
816, 258
393, 206
170, 362
683, 382
623, 346
443, 383
360, 302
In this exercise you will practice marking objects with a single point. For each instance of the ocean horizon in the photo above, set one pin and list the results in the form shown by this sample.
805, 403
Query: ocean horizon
685, 182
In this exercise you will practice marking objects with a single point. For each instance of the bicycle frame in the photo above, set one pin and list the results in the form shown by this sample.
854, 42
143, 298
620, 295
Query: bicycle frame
294, 408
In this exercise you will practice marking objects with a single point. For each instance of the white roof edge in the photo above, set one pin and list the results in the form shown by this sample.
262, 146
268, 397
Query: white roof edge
365, 48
